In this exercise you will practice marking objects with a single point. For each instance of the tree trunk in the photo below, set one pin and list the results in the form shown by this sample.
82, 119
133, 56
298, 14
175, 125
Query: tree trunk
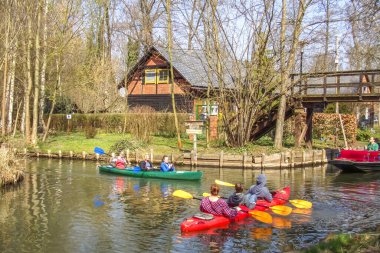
58, 84
282, 106
179, 143
16, 120
286, 68
29, 82
43, 69
5, 75
12, 87
36, 78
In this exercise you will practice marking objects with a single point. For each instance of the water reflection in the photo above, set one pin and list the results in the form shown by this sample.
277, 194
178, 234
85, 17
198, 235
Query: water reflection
67, 206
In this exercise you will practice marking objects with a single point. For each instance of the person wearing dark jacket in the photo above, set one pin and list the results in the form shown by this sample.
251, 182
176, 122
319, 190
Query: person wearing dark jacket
237, 197
146, 164
259, 190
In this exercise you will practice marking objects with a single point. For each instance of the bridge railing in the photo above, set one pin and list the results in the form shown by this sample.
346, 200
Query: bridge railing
343, 83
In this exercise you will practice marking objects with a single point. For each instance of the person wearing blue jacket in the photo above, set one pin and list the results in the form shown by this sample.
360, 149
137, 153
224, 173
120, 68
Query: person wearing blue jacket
165, 165
259, 190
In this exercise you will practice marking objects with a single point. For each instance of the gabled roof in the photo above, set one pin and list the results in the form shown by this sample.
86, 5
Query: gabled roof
191, 64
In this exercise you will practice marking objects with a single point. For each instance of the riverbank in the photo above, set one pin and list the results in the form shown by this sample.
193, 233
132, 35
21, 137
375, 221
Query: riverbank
260, 154
348, 243
9, 172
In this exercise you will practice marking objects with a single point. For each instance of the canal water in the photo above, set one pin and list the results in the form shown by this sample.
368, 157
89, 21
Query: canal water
68, 206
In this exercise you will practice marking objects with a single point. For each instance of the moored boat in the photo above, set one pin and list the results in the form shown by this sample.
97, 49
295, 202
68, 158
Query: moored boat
178, 175
195, 223
357, 161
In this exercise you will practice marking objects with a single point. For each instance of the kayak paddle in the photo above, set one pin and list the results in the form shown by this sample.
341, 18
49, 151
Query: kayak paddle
99, 151
184, 195
299, 203
258, 215
281, 210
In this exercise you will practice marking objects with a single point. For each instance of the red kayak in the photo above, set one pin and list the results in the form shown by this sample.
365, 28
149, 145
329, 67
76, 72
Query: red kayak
192, 224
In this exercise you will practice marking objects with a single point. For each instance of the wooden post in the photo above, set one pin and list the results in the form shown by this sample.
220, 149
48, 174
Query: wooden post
309, 130
151, 155
192, 158
298, 130
71, 154
262, 162
60, 154
84, 155
292, 159
313, 158
244, 160
38, 154
97, 157
281, 157
172, 158
49, 153
25, 151
303, 157
127, 155
323, 158
221, 157
344, 132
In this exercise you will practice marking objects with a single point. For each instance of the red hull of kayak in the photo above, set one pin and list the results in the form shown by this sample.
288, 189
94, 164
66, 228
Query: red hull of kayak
195, 224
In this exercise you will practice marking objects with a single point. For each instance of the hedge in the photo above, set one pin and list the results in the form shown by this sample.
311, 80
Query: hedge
159, 123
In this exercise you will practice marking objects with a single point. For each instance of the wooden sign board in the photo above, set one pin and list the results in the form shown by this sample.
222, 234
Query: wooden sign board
194, 123
194, 131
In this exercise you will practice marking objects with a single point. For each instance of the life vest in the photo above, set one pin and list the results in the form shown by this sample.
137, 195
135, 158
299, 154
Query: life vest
120, 163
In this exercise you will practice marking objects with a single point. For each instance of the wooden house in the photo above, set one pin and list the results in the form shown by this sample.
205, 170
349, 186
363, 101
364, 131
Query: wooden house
148, 82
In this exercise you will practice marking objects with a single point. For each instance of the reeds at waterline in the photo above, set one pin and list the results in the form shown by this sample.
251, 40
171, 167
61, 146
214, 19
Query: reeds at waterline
9, 172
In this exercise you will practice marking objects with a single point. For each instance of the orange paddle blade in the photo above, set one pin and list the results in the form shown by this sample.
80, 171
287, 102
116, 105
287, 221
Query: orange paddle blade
299, 203
281, 222
261, 216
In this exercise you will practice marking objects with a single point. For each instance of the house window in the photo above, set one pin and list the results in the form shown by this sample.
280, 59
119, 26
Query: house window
150, 76
162, 76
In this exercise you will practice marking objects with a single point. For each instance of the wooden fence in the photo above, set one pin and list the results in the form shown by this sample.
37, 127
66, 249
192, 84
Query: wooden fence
290, 159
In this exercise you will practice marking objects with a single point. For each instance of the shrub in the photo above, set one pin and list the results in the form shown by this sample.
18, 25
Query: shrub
8, 164
90, 132
363, 135
161, 124
125, 144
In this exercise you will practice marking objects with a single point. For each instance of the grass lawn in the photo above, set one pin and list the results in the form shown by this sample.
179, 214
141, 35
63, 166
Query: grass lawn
77, 142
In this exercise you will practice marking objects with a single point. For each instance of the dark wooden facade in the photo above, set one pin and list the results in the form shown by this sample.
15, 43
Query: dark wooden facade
158, 95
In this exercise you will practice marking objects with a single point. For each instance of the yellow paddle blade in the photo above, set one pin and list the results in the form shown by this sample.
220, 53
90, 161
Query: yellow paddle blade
223, 183
299, 203
261, 216
182, 194
206, 194
302, 211
281, 210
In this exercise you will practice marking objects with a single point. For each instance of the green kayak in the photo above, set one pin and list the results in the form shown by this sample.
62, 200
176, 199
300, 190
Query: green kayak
179, 175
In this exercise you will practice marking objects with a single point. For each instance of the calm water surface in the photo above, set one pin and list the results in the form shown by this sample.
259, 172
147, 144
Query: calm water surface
68, 206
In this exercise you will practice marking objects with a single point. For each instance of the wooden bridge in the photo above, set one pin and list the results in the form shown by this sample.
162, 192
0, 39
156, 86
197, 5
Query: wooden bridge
315, 90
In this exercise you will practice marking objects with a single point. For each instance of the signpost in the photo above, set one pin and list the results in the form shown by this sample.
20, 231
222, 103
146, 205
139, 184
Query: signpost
194, 128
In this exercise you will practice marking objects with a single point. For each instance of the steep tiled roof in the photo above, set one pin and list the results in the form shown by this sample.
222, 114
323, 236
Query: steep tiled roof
191, 64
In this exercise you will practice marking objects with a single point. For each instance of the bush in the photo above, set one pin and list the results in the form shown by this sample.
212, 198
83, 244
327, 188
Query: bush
8, 164
124, 145
161, 124
363, 135
90, 132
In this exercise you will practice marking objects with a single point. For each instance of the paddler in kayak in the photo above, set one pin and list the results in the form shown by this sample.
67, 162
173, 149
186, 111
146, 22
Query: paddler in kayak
372, 145
146, 164
237, 197
217, 206
120, 161
257, 191
165, 165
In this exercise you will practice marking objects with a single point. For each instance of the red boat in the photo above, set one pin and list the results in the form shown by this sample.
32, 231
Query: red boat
357, 161
197, 224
